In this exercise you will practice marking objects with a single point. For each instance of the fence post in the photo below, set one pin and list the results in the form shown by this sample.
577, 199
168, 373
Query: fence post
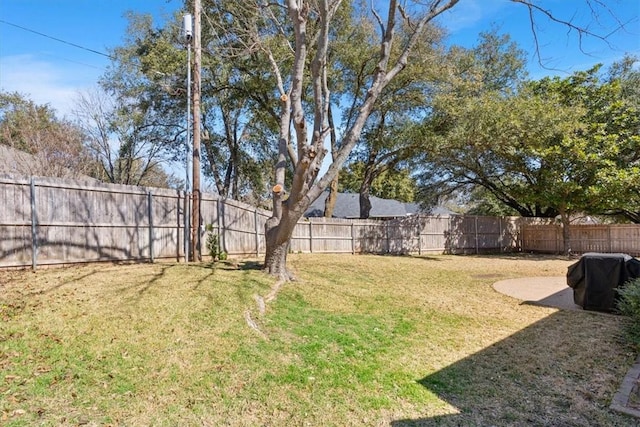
476, 226
500, 239
255, 222
520, 230
218, 217
386, 232
420, 228
150, 213
222, 239
34, 226
353, 239
187, 226
310, 236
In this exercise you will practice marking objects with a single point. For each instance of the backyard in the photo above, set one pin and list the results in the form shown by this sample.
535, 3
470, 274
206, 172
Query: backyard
356, 340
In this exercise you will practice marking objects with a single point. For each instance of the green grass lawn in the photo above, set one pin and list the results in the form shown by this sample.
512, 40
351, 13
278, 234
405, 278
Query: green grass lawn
357, 340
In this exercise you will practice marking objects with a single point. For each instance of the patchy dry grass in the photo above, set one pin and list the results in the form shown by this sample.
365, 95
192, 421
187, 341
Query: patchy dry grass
359, 340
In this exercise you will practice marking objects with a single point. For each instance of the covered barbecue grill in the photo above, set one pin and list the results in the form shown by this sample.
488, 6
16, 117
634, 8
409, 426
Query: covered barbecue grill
596, 276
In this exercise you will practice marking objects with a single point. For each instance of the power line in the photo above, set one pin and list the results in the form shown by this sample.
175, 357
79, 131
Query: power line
69, 60
57, 39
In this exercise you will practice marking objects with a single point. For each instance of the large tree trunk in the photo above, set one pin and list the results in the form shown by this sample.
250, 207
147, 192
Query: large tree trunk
365, 201
275, 261
306, 151
330, 201
278, 231
566, 231
365, 187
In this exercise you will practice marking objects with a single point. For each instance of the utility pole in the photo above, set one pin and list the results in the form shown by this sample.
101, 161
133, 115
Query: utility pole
197, 87
187, 33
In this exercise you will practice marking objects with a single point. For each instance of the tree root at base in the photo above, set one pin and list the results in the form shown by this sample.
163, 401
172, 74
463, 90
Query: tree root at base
261, 303
252, 324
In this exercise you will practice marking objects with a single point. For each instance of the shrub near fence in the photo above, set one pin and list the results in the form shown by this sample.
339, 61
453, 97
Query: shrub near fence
56, 221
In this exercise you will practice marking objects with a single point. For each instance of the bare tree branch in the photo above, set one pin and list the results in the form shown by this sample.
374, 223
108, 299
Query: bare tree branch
582, 31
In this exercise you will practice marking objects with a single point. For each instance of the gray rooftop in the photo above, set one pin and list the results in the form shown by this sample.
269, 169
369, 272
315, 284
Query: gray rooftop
348, 206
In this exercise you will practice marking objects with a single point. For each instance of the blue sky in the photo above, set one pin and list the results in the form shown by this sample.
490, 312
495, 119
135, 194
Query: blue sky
52, 72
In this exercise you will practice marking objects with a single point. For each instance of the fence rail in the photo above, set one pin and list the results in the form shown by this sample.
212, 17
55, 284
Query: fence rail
47, 221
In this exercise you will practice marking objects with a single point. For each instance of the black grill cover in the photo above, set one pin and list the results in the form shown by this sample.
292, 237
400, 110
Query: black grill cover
595, 278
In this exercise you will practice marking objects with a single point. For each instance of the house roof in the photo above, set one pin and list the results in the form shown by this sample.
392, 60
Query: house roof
348, 206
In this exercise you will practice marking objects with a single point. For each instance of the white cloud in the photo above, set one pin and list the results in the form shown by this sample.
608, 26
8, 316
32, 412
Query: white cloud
45, 82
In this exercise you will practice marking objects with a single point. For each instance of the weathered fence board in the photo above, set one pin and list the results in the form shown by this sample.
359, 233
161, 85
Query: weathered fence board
609, 238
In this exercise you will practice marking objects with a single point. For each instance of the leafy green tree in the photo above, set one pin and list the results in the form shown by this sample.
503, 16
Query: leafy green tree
240, 102
627, 73
607, 144
396, 184
56, 146
623, 185
237, 117
484, 203
492, 141
556, 148
389, 141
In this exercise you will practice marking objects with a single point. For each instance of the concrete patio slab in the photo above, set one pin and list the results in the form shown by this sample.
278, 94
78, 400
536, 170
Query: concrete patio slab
546, 291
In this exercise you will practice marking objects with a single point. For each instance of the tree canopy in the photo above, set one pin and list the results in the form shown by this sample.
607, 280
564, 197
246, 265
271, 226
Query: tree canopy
56, 146
555, 147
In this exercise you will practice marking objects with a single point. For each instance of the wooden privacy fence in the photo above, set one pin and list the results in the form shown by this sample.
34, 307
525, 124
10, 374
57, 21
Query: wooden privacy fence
47, 221
56, 221
415, 234
607, 238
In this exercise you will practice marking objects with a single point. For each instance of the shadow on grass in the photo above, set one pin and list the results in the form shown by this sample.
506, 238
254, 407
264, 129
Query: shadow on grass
63, 283
561, 371
251, 265
563, 298
232, 265
426, 258
142, 287
210, 267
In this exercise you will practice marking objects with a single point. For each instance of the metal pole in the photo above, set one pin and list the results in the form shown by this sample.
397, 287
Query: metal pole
187, 213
